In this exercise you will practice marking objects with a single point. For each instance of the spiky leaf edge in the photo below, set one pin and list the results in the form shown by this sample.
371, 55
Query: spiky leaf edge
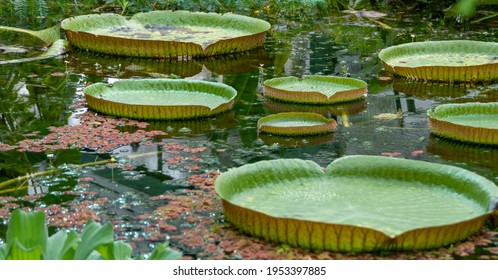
159, 48
157, 112
483, 72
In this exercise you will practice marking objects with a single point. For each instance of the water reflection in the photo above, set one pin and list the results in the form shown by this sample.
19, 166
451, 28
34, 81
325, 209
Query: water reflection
429, 89
295, 141
95, 64
459, 152
33, 99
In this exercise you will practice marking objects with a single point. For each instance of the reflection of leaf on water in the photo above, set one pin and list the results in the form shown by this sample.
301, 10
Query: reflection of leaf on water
32, 99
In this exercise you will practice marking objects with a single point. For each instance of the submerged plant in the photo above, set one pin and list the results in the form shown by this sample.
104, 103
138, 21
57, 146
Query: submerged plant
27, 239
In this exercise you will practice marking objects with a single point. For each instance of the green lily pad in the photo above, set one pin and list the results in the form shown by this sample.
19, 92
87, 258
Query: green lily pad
30, 38
315, 89
166, 34
455, 60
160, 98
469, 122
296, 123
59, 47
19, 45
360, 203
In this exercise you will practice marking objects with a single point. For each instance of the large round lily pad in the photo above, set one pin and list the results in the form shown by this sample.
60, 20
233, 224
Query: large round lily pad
454, 60
360, 203
315, 89
296, 123
19, 45
469, 122
175, 34
160, 98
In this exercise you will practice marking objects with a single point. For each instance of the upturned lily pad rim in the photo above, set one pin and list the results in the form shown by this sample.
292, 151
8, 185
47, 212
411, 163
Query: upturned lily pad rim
276, 88
317, 124
59, 47
317, 235
80, 32
95, 96
466, 133
437, 70
46, 36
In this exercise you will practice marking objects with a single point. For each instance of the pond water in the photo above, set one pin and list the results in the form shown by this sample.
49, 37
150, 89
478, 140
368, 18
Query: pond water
35, 96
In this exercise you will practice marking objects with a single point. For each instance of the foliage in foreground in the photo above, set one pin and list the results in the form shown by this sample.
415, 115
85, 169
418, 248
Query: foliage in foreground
27, 239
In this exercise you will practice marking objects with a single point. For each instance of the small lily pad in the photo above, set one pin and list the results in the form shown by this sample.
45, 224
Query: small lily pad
315, 89
166, 34
454, 60
360, 203
160, 98
296, 123
469, 122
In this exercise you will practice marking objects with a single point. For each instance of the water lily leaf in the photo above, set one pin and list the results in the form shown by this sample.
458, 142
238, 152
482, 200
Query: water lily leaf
469, 122
296, 123
454, 60
166, 34
360, 203
160, 98
315, 89
59, 47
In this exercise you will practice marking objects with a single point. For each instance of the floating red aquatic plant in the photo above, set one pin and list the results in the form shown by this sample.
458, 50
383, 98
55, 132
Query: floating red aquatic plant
95, 132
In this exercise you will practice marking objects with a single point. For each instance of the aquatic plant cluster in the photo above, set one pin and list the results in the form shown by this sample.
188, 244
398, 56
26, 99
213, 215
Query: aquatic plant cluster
191, 215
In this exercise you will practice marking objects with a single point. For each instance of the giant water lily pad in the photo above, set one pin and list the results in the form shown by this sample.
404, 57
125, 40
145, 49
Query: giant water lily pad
454, 60
160, 98
296, 123
175, 34
31, 38
469, 122
360, 203
315, 89
19, 45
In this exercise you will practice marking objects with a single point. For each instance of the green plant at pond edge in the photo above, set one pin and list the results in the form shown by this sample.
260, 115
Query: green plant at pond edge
27, 239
